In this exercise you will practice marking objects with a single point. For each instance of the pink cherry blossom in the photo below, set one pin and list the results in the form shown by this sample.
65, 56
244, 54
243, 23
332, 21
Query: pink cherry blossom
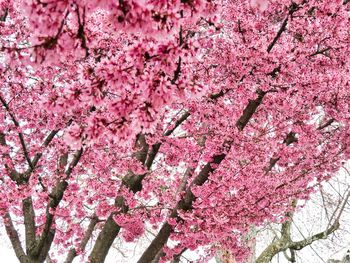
197, 119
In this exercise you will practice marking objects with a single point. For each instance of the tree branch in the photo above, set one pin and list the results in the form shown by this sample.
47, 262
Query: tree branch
291, 138
37, 156
73, 253
14, 238
285, 242
186, 202
4, 15
155, 148
134, 183
293, 7
308, 241
178, 122
42, 245
286, 226
111, 229
20, 135
250, 110
142, 146
29, 222
13, 174
104, 241
326, 124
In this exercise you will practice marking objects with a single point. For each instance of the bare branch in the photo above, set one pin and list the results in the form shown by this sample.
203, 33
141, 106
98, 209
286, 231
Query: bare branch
323, 51
285, 242
308, 241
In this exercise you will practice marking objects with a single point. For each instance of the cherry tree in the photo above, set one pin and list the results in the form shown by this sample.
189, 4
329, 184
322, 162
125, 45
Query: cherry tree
199, 118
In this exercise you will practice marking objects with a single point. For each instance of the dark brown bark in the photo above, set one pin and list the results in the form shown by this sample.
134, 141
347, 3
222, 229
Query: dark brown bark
250, 110
104, 241
14, 238
157, 244
29, 223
